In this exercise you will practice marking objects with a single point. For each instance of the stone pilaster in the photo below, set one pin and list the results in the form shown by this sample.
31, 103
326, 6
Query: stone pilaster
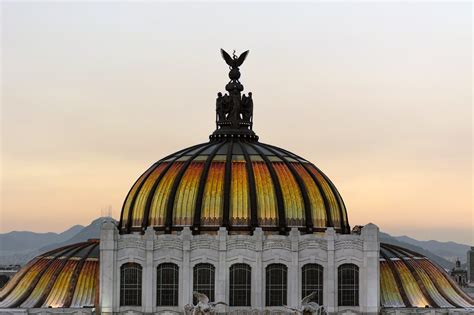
330, 285
294, 291
186, 281
258, 293
370, 286
108, 241
222, 270
148, 279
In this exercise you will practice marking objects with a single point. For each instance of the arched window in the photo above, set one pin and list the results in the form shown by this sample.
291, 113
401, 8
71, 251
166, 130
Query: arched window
203, 280
240, 284
348, 285
167, 276
276, 285
312, 281
131, 284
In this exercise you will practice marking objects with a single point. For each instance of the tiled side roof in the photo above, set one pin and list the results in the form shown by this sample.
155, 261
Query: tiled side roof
408, 279
64, 277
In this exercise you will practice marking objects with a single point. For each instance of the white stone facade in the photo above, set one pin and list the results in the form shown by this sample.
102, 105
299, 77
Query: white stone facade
329, 250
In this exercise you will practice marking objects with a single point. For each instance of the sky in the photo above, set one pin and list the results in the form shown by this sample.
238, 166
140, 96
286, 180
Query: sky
377, 95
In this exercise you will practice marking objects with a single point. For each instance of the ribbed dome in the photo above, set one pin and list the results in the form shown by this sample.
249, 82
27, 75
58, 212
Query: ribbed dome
408, 279
237, 183
64, 277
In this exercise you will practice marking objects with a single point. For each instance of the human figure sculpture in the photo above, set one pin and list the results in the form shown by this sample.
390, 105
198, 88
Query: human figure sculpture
247, 107
222, 107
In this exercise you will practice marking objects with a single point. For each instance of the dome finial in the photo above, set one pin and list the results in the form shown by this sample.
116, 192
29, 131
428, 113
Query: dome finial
234, 112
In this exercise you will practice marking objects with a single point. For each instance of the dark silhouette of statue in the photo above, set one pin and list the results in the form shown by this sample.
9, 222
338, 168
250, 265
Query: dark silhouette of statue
234, 111
234, 62
247, 107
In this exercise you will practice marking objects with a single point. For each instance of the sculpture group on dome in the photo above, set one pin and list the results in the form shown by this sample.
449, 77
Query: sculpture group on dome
233, 110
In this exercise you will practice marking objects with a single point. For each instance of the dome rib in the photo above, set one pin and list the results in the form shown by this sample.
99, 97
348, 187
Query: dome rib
57, 272
276, 183
253, 190
301, 185
137, 192
396, 276
23, 296
413, 254
202, 184
174, 188
342, 213
341, 206
128, 210
149, 200
329, 219
75, 276
227, 184
50, 281
31, 286
420, 283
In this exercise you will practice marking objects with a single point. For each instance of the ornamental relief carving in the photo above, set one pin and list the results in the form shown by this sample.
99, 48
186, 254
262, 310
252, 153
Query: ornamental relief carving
349, 244
170, 242
130, 243
312, 244
240, 244
129, 255
277, 244
204, 242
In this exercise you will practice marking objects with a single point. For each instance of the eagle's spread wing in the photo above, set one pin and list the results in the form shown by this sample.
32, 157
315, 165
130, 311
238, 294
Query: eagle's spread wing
228, 59
241, 58
201, 297
309, 297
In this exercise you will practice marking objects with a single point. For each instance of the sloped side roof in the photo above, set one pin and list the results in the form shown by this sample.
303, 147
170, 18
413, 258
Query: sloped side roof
64, 277
408, 279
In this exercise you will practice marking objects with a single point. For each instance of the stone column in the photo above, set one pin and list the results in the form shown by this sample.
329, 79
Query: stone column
222, 271
108, 247
329, 284
370, 237
186, 281
148, 271
294, 292
258, 293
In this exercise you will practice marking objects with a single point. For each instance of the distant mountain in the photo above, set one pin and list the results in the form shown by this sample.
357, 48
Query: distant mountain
443, 262
13, 241
20, 247
447, 250
88, 232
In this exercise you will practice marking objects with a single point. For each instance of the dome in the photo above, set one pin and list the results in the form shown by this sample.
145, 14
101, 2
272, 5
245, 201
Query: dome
233, 181
409, 279
64, 277
237, 183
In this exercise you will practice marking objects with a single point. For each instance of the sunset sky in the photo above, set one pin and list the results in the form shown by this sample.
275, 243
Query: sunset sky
378, 96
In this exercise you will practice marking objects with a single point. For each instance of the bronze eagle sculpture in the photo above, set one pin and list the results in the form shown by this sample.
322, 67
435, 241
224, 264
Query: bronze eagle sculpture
234, 62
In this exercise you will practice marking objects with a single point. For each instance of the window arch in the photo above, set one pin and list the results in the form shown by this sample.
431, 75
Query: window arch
167, 284
348, 285
130, 284
240, 285
312, 281
203, 280
276, 285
